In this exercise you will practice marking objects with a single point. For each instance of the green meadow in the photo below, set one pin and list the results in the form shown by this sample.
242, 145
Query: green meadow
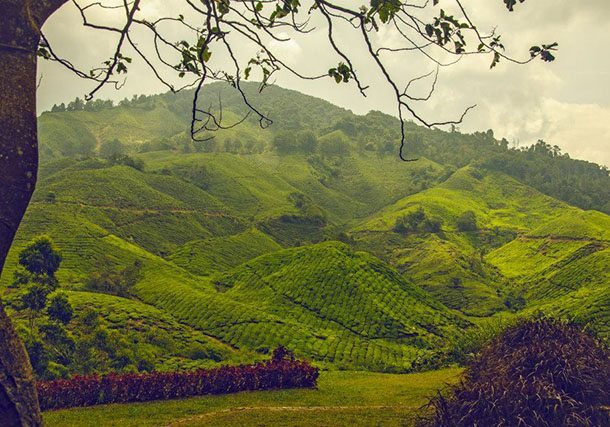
343, 398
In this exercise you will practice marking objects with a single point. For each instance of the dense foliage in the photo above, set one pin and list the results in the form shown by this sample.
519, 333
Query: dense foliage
282, 371
538, 372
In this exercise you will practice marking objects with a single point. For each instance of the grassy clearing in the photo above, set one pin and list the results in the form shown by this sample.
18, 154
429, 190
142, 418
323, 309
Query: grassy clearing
343, 398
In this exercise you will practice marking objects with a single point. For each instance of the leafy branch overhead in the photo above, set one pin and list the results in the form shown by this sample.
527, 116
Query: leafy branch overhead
236, 40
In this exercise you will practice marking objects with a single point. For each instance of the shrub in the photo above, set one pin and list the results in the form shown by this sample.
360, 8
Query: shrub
334, 144
467, 222
60, 309
537, 373
514, 301
282, 371
417, 221
432, 225
124, 159
108, 281
111, 148
198, 351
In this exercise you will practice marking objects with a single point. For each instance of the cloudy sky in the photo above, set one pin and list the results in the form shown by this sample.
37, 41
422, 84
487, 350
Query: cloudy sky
566, 103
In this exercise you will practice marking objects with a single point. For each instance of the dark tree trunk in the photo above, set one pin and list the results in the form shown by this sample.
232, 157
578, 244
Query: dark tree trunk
18, 168
20, 23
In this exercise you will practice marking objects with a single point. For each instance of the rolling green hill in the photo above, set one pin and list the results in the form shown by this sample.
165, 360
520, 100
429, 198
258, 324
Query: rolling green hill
497, 201
158, 335
563, 267
311, 234
324, 301
204, 257
397, 326
450, 262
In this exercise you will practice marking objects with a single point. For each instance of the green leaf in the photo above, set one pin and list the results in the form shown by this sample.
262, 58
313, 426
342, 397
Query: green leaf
206, 55
510, 4
429, 30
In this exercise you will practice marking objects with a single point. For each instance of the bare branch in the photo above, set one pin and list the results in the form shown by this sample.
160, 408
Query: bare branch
239, 26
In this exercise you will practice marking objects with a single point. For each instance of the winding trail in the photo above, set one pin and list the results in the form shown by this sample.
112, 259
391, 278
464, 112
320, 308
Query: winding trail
245, 409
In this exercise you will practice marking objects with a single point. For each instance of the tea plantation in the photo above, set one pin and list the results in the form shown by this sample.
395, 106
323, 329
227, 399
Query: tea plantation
312, 235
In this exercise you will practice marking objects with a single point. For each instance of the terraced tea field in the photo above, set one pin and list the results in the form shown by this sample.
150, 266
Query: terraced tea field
324, 301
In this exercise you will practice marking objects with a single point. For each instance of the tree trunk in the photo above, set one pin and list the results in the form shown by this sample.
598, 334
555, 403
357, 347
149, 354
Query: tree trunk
20, 23
18, 170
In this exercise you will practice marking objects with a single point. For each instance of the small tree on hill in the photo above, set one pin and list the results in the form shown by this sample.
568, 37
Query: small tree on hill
40, 257
115, 282
417, 221
112, 149
34, 300
307, 141
39, 260
60, 309
335, 144
467, 222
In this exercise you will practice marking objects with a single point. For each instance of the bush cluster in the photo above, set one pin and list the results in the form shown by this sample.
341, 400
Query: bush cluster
417, 221
282, 371
539, 372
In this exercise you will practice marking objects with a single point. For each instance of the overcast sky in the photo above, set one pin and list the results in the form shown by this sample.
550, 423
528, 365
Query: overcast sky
566, 103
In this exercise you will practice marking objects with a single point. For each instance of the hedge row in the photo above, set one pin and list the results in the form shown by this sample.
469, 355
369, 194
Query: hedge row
282, 371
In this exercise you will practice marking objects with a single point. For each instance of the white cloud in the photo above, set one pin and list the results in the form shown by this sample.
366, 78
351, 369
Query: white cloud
583, 130
289, 49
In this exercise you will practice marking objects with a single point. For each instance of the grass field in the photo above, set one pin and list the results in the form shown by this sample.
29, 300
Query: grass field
343, 398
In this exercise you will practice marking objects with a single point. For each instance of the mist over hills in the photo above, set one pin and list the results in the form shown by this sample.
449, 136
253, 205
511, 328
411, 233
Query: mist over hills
312, 234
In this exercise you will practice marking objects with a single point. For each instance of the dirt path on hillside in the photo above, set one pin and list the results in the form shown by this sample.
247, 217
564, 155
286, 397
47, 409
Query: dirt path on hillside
245, 409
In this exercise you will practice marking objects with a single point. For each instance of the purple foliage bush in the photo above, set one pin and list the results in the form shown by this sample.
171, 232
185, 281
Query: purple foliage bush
540, 372
282, 371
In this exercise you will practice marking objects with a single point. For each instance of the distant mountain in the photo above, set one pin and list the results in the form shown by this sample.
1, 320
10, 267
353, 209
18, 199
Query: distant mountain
148, 123
312, 234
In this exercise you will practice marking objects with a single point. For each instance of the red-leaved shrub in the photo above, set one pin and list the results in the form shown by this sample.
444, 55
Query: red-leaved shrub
282, 371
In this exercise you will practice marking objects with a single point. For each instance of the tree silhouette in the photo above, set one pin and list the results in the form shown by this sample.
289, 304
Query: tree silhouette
233, 28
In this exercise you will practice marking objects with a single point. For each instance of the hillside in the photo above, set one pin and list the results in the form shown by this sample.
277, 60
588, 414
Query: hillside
85, 231
312, 234
151, 123
449, 262
563, 267
205, 257
313, 311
